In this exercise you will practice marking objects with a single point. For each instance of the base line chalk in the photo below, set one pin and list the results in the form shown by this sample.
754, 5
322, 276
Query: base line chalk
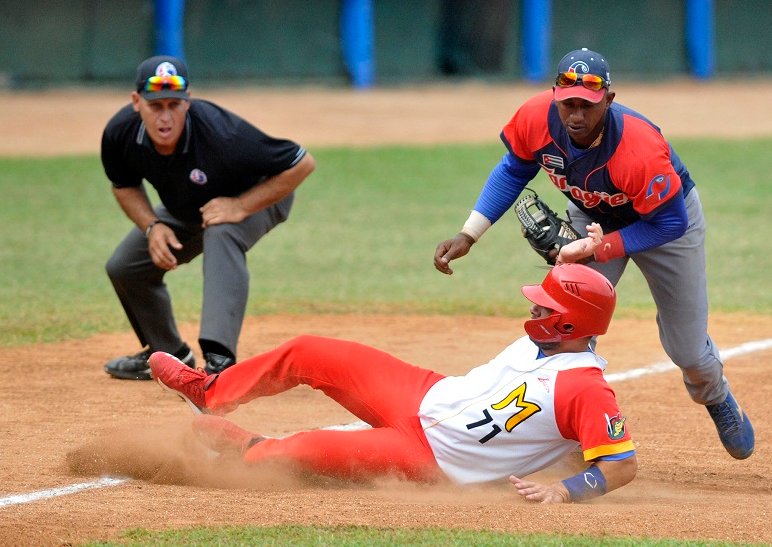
18, 499
663, 366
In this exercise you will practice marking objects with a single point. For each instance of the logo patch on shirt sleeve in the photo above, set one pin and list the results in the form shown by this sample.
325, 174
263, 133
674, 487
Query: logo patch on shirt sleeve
197, 176
658, 188
615, 426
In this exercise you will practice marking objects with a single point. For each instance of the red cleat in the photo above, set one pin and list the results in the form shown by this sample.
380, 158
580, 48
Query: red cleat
224, 436
175, 376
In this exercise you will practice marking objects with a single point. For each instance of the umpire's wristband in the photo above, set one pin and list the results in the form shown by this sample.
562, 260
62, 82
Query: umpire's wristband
586, 485
150, 226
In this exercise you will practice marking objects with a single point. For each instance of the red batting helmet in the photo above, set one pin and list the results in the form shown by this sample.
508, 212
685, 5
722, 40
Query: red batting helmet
582, 301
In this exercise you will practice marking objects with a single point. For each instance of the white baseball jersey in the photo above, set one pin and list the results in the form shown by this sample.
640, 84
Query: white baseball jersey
519, 414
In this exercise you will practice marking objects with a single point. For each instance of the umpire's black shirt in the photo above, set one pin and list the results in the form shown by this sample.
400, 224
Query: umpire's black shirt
219, 155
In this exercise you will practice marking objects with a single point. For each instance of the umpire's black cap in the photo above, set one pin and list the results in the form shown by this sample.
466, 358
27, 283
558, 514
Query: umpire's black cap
162, 77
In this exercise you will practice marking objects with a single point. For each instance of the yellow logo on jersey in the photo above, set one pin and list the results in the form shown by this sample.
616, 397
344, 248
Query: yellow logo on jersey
527, 408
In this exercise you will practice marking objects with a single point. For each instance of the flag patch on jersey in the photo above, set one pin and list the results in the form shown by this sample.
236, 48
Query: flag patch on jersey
615, 426
548, 160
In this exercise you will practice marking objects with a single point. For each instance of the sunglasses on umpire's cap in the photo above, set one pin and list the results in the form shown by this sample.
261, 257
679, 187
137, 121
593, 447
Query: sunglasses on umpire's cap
162, 77
582, 74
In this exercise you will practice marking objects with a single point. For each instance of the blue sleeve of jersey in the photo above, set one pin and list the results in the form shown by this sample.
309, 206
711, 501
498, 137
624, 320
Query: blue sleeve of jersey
504, 185
686, 179
665, 225
617, 457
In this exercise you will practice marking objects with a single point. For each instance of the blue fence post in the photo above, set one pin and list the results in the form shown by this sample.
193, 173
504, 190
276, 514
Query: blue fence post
357, 43
700, 37
536, 22
169, 15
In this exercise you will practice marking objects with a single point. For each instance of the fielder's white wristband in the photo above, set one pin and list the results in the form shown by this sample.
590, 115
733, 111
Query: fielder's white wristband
476, 225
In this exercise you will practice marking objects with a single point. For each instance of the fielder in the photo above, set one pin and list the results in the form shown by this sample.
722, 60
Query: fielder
619, 173
541, 398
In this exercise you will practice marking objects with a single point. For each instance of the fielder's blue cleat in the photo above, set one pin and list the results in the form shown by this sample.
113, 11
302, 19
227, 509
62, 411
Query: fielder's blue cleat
734, 427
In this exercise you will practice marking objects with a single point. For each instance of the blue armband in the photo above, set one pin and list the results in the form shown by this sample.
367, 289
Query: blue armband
586, 485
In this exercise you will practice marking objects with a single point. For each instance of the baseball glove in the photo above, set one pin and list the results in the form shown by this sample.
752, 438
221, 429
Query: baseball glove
545, 231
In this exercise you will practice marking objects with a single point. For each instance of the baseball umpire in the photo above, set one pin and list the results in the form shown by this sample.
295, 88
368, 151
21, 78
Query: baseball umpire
223, 184
622, 178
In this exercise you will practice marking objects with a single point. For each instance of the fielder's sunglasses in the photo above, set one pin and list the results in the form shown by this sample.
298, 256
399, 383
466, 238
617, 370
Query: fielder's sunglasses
172, 83
590, 81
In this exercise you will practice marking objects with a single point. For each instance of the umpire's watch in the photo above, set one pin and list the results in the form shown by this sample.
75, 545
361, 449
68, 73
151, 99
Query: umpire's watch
150, 226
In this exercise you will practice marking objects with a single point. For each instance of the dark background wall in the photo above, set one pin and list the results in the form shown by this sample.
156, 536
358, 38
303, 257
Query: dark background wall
57, 42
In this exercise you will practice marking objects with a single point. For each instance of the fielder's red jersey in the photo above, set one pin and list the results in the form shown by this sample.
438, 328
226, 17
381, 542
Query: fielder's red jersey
630, 175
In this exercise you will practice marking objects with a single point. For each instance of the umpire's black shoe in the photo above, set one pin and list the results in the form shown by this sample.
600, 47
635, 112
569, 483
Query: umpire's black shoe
215, 363
136, 367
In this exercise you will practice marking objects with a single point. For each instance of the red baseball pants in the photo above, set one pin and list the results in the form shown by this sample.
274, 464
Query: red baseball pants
376, 387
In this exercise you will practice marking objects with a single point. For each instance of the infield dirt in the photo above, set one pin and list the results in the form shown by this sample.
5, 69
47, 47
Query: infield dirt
65, 421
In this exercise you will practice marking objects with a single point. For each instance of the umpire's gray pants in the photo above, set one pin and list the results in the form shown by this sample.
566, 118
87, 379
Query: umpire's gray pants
142, 291
675, 273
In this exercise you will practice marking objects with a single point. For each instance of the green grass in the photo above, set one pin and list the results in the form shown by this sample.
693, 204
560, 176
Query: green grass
359, 536
361, 238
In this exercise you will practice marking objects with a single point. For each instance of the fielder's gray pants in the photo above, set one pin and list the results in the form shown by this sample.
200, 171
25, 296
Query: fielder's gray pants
675, 273
142, 291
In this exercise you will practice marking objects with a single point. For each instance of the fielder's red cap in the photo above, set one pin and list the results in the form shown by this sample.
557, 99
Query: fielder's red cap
583, 61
